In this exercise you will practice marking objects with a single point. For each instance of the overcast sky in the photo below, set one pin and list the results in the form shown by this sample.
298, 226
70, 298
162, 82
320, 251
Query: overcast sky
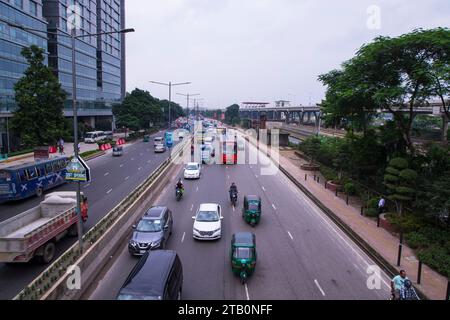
259, 50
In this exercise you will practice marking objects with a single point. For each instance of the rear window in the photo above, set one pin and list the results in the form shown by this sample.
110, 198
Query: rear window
243, 253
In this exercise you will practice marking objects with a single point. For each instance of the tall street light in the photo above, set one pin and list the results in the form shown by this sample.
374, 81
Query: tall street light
170, 85
188, 95
73, 37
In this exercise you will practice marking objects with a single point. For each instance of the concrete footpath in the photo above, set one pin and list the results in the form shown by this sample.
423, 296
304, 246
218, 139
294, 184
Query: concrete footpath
433, 285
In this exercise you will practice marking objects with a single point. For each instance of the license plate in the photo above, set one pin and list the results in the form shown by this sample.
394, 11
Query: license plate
142, 251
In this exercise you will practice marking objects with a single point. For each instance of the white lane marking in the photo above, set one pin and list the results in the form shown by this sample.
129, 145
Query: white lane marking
246, 292
264, 189
228, 177
273, 206
140, 168
127, 178
182, 239
121, 166
192, 207
318, 286
234, 209
132, 159
149, 161
290, 235
256, 176
106, 174
109, 191
196, 189
86, 186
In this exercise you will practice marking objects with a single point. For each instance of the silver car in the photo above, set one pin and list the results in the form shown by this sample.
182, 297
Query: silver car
160, 148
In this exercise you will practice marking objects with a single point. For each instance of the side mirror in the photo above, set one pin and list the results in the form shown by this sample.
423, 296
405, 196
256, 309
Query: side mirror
133, 227
193, 217
221, 218
166, 227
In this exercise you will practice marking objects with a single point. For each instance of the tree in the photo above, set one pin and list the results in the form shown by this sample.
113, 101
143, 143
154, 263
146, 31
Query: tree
400, 182
232, 115
176, 110
39, 118
138, 110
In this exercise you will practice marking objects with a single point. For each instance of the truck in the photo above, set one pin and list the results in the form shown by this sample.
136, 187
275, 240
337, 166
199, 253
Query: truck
35, 232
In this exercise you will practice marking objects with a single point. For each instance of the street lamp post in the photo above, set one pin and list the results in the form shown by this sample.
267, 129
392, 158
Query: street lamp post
170, 85
73, 37
188, 96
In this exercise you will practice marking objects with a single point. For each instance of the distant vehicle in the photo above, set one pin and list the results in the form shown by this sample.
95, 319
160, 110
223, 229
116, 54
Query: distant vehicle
109, 135
192, 170
208, 222
241, 144
229, 152
208, 153
36, 231
157, 276
221, 131
117, 151
94, 137
158, 140
152, 231
160, 148
24, 181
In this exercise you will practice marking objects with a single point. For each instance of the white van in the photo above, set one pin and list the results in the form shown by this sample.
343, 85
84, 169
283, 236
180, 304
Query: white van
95, 136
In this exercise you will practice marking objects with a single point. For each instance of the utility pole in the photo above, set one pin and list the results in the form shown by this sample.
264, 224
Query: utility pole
170, 84
188, 96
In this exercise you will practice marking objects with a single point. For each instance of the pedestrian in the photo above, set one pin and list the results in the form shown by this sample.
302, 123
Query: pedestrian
61, 145
407, 292
381, 205
397, 284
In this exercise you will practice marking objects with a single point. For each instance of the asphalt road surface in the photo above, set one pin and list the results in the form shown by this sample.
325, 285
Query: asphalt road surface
302, 255
113, 178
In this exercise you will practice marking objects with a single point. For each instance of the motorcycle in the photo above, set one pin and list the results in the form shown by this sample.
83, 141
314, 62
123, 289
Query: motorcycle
179, 194
233, 198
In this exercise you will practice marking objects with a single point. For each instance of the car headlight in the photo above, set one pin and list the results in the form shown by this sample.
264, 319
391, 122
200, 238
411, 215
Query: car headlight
197, 231
133, 243
155, 244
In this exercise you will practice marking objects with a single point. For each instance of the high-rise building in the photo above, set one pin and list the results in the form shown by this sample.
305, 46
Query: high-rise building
12, 65
100, 61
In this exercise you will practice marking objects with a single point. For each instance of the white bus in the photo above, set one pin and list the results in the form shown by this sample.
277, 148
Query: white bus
95, 136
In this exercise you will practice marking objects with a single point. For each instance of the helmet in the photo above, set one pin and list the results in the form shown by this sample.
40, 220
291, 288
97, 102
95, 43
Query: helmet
408, 284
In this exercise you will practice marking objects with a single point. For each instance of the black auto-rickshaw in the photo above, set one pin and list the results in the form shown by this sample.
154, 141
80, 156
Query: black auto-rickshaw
243, 255
146, 138
251, 212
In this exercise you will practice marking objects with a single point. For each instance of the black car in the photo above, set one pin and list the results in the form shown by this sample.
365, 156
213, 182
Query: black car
157, 276
152, 231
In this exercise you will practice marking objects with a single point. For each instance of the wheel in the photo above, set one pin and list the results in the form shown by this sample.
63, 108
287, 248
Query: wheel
39, 192
48, 253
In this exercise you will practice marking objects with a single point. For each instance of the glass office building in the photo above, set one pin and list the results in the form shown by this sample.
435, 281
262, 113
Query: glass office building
100, 61
12, 65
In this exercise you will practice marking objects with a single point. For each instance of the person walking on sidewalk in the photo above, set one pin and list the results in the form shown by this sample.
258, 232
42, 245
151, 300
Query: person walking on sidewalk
381, 205
61, 146
398, 284
408, 292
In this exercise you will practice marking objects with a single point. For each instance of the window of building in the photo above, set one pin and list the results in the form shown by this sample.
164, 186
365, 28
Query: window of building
33, 8
19, 3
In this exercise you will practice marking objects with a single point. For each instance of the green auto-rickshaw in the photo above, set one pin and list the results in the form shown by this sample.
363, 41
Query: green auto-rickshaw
252, 210
146, 138
243, 255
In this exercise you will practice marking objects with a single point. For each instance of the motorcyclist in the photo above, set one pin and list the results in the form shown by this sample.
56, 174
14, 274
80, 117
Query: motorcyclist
180, 186
233, 190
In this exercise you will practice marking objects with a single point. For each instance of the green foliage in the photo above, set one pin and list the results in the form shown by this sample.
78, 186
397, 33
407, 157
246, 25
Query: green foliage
399, 163
350, 188
328, 173
437, 258
406, 223
232, 115
417, 240
39, 118
139, 109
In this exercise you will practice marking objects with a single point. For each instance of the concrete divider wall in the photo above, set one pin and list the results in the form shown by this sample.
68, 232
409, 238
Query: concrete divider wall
98, 255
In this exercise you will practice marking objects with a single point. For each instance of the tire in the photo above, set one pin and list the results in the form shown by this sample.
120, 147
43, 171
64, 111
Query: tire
39, 192
49, 253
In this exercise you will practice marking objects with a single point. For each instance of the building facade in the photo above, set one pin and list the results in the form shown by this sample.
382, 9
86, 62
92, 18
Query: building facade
12, 65
100, 61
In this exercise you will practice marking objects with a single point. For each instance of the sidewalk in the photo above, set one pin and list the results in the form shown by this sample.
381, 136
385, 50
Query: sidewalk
29, 157
433, 285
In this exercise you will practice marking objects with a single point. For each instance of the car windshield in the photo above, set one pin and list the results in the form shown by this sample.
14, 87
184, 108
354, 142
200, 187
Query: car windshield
243, 253
207, 216
158, 139
126, 296
192, 167
147, 225
89, 135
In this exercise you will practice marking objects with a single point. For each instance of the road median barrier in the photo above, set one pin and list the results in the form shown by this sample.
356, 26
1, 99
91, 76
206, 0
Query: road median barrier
100, 243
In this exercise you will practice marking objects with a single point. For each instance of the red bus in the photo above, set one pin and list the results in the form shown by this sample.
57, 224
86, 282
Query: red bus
229, 152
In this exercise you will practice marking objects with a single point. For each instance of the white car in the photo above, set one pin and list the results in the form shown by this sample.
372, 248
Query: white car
193, 170
208, 222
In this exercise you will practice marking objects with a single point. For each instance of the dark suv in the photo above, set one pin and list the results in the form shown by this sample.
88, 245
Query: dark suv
157, 276
152, 231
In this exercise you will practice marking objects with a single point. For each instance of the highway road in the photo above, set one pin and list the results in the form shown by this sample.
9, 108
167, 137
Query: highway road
301, 253
112, 180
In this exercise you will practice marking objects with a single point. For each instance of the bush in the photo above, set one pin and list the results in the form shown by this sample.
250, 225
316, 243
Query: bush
328, 173
437, 258
372, 208
350, 188
416, 240
406, 222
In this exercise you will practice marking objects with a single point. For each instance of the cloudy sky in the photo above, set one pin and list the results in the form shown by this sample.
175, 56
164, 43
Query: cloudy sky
259, 50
